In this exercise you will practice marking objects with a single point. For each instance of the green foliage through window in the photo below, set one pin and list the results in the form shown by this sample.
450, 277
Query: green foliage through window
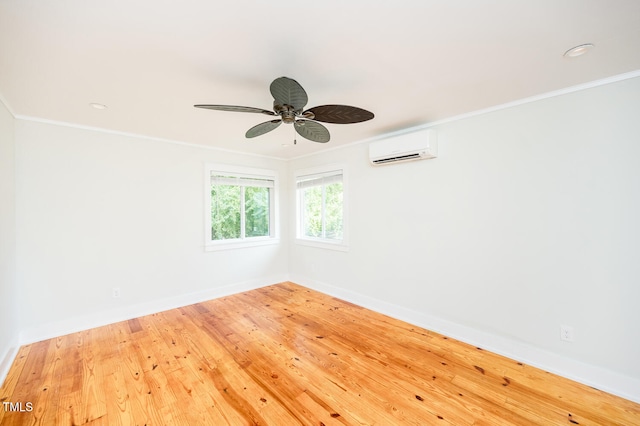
321, 205
256, 205
240, 207
225, 212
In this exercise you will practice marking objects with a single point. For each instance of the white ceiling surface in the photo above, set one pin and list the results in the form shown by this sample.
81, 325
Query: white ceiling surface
409, 62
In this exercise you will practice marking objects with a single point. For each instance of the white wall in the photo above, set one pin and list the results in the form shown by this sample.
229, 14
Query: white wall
98, 210
528, 219
8, 318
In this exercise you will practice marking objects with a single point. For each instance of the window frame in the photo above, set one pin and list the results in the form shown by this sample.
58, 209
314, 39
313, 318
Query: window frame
326, 243
241, 172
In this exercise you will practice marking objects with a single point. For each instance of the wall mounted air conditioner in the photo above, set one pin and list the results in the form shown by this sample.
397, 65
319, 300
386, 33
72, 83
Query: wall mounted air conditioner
419, 145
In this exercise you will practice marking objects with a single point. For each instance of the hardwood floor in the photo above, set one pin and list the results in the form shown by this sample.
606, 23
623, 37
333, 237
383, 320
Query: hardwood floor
286, 355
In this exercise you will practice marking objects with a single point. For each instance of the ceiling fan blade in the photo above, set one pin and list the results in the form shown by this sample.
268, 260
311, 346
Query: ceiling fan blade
311, 130
287, 91
262, 128
339, 114
236, 108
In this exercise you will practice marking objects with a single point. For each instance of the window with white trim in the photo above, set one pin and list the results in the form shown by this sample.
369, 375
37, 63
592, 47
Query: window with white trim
241, 206
321, 208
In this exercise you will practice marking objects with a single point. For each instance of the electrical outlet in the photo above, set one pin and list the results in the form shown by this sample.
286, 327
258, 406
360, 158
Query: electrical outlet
115, 292
566, 333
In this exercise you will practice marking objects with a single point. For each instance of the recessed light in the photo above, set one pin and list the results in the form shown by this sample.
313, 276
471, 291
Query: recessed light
578, 50
97, 105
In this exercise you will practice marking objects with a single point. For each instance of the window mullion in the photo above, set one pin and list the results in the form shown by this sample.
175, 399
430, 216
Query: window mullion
303, 214
242, 214
322, 211
272, 212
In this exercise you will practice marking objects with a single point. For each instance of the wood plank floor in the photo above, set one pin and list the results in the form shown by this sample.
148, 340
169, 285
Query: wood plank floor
287, 355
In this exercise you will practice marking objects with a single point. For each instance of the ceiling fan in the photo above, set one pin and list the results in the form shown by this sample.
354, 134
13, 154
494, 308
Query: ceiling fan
289, 101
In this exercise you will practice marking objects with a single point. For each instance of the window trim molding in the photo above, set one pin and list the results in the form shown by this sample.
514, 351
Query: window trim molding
274, 213
325, 243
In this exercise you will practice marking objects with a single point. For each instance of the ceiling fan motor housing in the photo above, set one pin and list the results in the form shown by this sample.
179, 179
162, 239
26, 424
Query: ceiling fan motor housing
286, 112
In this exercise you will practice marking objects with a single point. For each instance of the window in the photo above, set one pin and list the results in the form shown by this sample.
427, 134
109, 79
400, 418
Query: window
241, 207
321, 207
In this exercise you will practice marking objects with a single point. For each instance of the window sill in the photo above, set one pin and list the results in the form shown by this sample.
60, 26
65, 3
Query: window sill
238, 244
324, 244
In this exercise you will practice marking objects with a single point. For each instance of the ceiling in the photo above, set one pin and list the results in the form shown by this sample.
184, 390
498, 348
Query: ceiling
411, 62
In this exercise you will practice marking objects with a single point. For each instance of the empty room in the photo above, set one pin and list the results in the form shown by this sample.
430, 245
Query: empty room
356, 213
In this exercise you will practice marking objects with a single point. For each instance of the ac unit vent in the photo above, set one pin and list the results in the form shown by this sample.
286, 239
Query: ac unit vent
419, 145
414, 156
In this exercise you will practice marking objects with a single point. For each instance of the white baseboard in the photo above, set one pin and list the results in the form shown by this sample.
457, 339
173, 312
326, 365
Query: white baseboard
85, 322
590, 375
6, 359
